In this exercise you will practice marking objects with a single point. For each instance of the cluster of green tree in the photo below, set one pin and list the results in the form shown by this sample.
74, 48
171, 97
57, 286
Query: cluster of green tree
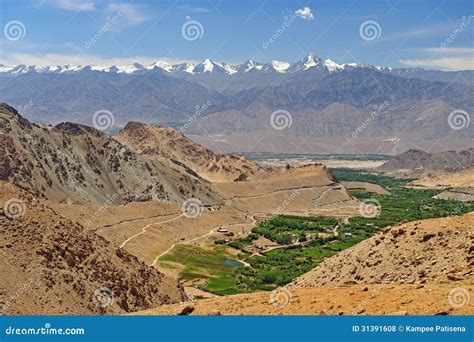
352, 175
242, 243
283, 229
280, 266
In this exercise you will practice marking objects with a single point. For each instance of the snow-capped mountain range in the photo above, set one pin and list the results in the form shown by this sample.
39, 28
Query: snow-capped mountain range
206, 66
322, 96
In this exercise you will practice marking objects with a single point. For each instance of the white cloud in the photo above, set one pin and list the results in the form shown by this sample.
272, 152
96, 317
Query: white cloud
79, 59
451, 51
444, 59
73, 5
305, 13
133, 14
447, 63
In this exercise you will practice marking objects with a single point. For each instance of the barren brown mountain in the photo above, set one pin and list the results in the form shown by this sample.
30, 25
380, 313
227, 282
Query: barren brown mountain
419, 161
170, 144
71, 162
55, 267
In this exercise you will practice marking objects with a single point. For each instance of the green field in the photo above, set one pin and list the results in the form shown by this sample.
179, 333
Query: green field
300, 251
203, 264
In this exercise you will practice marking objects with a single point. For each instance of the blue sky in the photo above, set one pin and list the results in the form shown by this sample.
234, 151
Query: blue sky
433, 34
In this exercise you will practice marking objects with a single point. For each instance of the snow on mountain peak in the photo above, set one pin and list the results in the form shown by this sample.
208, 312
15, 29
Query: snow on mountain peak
250, 65
207, 66
168, 67
280, 66
332, 66
230, 69
309, 62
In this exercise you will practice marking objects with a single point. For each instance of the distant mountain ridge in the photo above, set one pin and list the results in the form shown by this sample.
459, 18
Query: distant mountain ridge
421, 161
325, 100
210, 67
205, 66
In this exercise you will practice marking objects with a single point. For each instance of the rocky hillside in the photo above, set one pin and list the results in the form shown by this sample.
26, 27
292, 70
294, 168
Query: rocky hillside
55, 267
168, 143
72, 162
421, 161
428, 251
348, 300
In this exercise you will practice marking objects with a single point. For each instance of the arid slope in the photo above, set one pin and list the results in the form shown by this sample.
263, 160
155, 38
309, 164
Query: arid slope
404, 299
51, 265
71, 162
428, 251
165, 142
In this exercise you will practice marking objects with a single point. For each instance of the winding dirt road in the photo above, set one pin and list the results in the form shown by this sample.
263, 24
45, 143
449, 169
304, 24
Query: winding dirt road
201, 237
146, 227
